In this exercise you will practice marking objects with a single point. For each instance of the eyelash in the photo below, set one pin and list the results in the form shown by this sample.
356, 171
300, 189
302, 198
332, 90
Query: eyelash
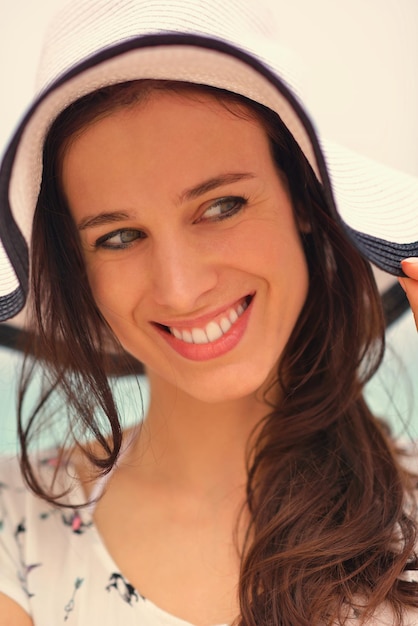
104, 241
238, 203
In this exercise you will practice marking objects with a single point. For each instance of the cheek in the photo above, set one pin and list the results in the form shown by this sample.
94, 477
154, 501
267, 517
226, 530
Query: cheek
273, 246
282, 261
113, 285
100, 281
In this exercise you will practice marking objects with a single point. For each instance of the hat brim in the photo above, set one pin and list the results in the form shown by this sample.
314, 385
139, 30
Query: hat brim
376, 206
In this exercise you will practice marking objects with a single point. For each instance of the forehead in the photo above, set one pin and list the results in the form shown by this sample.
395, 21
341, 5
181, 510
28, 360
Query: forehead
170, 133
182, 107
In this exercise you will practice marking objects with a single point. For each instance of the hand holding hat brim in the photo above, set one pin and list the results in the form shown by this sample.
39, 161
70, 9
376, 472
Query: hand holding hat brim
410, 284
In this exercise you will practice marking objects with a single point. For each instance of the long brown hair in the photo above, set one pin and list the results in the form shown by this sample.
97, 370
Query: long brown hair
329, 532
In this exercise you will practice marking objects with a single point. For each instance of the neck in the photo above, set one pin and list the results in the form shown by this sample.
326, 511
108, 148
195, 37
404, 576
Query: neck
198, 445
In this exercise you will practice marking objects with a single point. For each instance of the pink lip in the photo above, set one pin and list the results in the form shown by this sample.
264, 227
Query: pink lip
206, 351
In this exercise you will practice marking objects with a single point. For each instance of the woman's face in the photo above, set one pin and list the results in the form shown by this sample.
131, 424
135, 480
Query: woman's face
190, 242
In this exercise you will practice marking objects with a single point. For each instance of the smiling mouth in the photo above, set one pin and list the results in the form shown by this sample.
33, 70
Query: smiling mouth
212, 331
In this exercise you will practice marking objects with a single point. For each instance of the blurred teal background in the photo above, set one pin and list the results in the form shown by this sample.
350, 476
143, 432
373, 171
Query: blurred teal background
392, 393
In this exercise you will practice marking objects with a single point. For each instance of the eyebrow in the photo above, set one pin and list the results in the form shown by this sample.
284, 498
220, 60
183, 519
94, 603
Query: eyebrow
213, 183
101, 219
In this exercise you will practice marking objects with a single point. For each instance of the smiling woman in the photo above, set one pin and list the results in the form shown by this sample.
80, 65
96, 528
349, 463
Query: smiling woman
183, 261
185, 217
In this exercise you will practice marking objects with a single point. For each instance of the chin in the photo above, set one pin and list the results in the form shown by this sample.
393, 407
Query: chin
233, 388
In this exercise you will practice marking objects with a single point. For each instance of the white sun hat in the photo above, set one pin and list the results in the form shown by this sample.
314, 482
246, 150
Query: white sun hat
229, 44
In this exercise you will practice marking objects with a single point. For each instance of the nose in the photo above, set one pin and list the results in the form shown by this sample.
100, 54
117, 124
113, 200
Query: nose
182, 272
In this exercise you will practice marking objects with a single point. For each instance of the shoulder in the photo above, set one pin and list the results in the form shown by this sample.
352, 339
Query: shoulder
14, 492
18, 508
37, 538
9, 470
24, 514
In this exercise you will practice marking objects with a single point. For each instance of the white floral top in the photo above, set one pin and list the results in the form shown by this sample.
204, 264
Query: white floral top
54, 564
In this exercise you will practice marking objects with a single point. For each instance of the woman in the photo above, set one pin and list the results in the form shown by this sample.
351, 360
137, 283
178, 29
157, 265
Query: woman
179, 220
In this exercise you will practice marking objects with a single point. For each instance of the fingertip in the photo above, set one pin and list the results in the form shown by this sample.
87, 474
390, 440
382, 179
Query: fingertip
410, 267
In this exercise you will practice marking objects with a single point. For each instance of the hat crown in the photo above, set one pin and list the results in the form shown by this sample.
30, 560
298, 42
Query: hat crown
85, 27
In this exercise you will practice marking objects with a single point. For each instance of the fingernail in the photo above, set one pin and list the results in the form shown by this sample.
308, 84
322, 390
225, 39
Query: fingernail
402, 283
412, 260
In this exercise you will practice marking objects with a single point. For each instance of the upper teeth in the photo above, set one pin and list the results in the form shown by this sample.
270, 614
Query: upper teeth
213, 330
